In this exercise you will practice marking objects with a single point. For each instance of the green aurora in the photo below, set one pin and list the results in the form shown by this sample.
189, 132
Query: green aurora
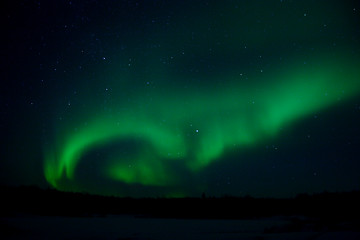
176, 98
196, 126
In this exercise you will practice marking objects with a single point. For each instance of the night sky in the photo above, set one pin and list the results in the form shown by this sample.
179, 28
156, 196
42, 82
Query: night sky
176, 98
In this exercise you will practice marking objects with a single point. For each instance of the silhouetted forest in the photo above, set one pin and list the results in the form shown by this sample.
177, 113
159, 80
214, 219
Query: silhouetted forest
33, 200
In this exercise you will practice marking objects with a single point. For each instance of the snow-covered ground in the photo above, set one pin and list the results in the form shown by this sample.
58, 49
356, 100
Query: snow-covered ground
126, 227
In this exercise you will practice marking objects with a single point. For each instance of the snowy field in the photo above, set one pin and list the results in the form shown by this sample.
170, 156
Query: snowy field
131, 228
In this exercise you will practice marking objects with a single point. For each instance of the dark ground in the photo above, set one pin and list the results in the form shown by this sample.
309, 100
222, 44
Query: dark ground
33, 213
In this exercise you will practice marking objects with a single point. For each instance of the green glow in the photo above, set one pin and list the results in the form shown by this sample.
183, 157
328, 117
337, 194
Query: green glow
105, 130
147, 173
196, 126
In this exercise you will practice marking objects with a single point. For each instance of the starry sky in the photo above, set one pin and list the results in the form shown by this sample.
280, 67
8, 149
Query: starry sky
175, 98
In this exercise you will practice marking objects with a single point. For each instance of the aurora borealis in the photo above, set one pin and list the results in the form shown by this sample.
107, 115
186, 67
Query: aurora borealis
197, 130
158, 98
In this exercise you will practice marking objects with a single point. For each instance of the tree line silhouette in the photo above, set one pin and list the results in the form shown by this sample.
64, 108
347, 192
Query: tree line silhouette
50, 202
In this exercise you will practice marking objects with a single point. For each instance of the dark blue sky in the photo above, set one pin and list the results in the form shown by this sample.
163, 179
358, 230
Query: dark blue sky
176, 98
